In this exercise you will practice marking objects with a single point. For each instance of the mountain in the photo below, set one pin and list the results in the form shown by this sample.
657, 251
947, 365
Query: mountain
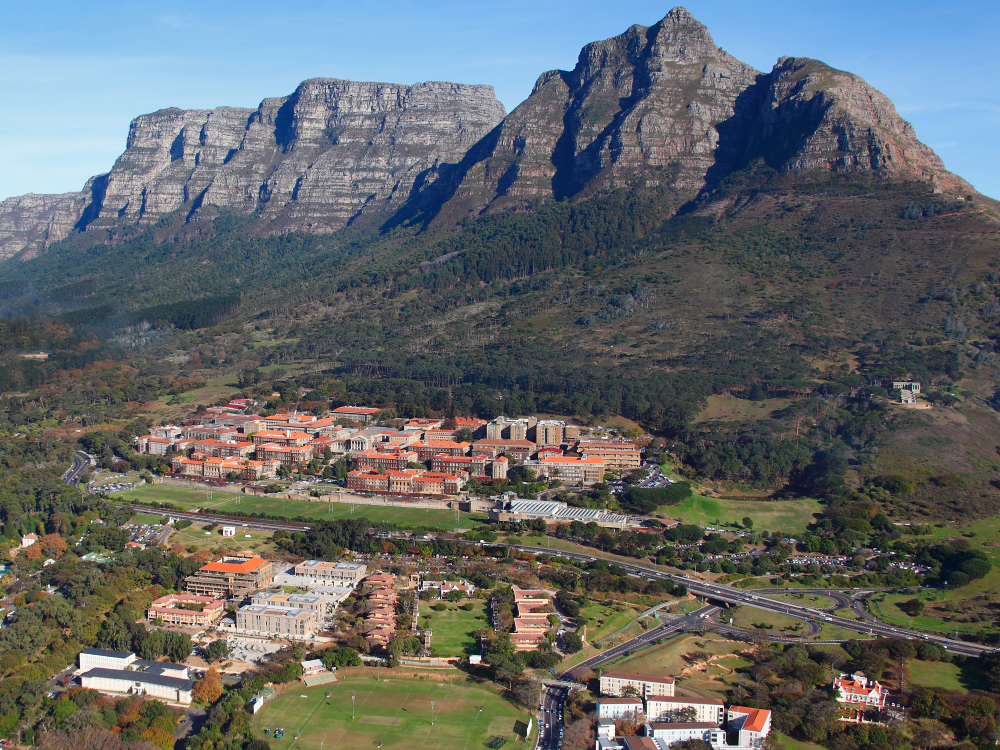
313, 161
658, 105
665, 104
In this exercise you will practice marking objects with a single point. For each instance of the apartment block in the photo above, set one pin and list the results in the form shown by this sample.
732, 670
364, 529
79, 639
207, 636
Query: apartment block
331, 573
667, 708
550, 432
504, 428
277, 621
569, 469
614, 683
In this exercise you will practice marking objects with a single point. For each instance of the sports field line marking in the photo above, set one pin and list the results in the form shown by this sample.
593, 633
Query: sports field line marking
302, 726
397, 715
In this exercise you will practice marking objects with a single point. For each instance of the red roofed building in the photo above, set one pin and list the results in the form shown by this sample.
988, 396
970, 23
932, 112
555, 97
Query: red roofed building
857, 689
282, 437
379, 460
753, 724
232, 576
290, 455
427, 450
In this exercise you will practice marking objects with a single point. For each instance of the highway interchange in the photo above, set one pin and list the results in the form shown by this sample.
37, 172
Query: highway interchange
757, 599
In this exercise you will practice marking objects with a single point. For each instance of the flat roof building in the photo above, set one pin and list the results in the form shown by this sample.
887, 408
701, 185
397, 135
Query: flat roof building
331, 573
556, 512
274, 621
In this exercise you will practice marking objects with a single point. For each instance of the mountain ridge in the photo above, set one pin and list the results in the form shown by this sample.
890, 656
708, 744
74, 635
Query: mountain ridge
654, 105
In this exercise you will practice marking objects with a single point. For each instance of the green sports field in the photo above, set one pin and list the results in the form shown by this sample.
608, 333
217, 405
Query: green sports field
227, 502
394, 712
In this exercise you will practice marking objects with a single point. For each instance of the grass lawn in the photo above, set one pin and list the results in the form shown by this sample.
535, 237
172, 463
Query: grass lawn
806, 600
603, 619
888, 611
945, 675
748, 617
830, 632
141, 518
788, 516
395, 713
676, 658
790, 743
246, 539
454, 626
224, 502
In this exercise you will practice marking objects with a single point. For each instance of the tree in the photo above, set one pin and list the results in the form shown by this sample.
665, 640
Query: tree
572, 642
209, 688
527, 692
178, 646
151, 647
217, 651
747, 522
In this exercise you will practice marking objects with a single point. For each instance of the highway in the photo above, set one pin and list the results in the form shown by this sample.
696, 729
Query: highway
751, 598
550, 716
80, 462
667, 629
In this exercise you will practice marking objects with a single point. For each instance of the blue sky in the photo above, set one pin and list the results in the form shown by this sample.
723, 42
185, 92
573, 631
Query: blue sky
76, 73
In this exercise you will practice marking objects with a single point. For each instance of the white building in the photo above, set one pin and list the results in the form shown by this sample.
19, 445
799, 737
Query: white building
671, 732
858, 690
618, 708
120, 672
228, 531
614, 683
28, 539
753, 724
664, 709
100, 658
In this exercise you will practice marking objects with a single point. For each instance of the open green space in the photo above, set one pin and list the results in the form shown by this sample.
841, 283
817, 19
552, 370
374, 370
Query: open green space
945, 675
690, 658
604, 619
773, 623
883, 606
790, 743
805, 600
230, 503
394, 714
453, 628
788, 516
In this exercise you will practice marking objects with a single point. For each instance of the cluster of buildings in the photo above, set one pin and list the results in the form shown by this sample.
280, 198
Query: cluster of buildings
120, 672
380, 620
668, 718
232, 443
320, 588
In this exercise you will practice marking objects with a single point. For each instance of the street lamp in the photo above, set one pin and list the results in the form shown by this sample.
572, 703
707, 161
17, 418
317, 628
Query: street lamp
432, 713
352, 708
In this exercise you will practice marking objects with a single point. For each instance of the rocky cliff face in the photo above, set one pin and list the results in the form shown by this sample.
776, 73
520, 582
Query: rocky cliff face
656, 105
313, 160
664, 104
635, 107
813, 116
